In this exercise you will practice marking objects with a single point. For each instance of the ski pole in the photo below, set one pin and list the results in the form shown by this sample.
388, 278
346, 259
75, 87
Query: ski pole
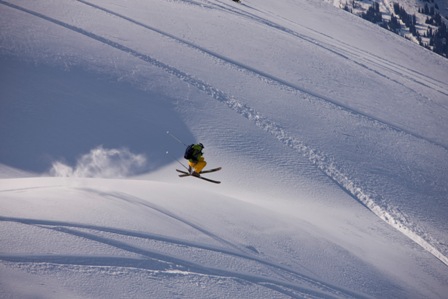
177, 160
175, 138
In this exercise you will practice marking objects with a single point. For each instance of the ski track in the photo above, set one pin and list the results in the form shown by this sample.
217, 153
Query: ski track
269, 79
345, 48
154, 261
389, 214
138, 201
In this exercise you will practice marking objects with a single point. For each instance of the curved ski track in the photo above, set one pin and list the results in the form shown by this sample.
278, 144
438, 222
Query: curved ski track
344, 50
324, 163
266, 77
287, 281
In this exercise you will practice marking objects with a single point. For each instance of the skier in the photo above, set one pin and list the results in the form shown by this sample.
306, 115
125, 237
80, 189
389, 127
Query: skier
196, 161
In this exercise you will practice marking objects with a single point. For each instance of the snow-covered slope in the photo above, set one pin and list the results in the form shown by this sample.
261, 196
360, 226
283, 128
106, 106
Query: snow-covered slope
332, 135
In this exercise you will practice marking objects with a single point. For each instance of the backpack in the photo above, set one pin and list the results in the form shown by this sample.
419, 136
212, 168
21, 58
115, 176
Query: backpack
189, 152
193, 151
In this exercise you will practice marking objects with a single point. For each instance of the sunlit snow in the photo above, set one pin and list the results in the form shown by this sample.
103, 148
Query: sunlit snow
332, 134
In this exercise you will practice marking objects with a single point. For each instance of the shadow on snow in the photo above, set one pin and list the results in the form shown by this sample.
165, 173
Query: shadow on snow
61, 115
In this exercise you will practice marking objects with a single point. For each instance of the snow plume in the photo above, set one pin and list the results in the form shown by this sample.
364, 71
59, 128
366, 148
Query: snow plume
102, 162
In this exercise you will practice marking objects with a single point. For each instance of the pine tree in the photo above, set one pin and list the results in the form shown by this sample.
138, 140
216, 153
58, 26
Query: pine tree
440, 40
426, 9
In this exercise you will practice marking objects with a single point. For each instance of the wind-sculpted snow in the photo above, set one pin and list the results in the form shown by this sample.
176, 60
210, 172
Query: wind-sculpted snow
323, 162
269, 79
159, 257
310, 127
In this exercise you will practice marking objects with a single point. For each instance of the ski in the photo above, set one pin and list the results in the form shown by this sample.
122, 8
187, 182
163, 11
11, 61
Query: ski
185, 174
204, 171
211, 170
206, 179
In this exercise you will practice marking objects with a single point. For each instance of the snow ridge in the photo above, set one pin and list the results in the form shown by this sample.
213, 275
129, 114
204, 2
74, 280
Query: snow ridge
389, 214
157, 262
322, 132
428, 82
324, 163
